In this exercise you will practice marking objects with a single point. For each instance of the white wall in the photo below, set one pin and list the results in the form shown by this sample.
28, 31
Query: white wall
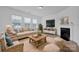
5, 16
73, 13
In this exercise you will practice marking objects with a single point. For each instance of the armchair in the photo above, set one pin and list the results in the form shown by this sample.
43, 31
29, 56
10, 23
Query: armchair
14, 48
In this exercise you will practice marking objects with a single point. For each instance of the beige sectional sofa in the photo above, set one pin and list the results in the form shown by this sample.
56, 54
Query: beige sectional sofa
58, 44
22, 35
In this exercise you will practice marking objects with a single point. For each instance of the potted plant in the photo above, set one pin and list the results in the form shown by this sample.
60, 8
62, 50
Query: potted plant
40, 29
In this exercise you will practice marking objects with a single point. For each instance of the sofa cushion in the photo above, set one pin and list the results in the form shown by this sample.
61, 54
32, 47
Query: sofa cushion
62, 46
51, 48
68, 46
73, 46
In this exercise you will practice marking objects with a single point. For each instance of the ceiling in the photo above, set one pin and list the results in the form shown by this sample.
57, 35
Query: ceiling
45, 11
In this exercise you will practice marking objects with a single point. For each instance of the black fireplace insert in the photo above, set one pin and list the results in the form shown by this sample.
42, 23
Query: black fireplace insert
65, 34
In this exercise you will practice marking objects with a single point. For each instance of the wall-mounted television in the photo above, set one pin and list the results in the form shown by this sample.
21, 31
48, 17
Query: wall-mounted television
50, 23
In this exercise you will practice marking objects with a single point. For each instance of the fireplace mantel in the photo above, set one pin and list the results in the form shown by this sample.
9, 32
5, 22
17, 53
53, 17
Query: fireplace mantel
66, 26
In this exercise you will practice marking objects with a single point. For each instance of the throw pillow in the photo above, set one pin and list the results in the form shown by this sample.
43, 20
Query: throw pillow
8, 40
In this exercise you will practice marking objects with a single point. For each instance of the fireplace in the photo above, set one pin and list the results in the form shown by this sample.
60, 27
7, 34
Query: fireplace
65, 34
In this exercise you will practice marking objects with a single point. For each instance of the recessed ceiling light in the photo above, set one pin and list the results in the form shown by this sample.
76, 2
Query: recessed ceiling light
40, 7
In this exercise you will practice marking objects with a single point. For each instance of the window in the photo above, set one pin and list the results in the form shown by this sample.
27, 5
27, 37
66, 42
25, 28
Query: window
34, 23
16, 19
27, 22
17, 22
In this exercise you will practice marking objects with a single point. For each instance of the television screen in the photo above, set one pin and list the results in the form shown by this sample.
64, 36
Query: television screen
50, 23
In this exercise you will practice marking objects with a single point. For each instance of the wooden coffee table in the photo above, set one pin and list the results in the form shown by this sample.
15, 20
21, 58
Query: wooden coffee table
37, 41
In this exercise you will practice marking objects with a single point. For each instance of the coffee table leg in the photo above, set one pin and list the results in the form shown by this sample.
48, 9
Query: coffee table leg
29, 40
44, 41
36, 44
